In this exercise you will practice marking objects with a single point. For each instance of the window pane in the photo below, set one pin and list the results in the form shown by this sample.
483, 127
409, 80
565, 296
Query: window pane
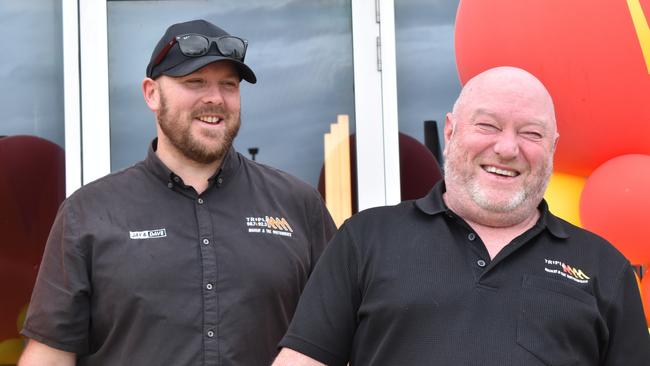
427, 80
32, 69
301, 52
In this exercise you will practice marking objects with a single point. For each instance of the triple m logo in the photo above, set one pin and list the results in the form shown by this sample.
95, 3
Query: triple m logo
269, 225
565, 270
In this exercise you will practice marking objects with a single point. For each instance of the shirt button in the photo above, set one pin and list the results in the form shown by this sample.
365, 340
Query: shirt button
208, 286
177, 179
210, 334
471, 236
200, 201
481, 263
170, 185
220, 180
206, 241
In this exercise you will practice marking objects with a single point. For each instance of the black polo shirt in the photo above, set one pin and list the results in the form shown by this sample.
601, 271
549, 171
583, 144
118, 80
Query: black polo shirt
414, 285
141, 270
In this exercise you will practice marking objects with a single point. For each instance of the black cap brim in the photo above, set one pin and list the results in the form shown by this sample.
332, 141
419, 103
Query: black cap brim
190, 65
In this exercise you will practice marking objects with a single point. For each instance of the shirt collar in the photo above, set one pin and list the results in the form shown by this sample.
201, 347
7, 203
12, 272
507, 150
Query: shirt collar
228, 167
433, 204
554, 224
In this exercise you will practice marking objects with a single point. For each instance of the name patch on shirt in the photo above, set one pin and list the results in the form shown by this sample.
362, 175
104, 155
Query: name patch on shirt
562, 269
148, 234
269, 225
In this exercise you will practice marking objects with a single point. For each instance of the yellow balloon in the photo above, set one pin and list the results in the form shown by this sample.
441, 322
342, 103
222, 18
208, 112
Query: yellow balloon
563, 196
10, 351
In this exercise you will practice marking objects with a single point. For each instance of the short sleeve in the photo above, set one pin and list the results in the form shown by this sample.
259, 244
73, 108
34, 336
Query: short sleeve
629, 342
58, 313
325, 320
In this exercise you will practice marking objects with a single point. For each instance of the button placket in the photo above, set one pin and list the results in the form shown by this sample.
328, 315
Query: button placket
206, 242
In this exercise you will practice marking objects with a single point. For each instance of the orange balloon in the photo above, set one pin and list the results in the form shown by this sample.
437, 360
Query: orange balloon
645, 296
589, 56
615, 203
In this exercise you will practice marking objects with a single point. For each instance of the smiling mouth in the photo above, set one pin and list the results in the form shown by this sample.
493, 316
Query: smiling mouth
499, 171
210, 119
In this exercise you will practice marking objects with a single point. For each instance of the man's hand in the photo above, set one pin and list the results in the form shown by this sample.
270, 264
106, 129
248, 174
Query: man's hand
39, 354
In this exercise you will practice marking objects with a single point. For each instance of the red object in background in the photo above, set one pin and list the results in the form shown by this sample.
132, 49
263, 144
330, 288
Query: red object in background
588, 55
32, 186
419, 170
615, 204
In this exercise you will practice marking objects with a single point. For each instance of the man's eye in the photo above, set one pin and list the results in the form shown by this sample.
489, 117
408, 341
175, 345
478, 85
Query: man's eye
487, 127
533, 135
229, 84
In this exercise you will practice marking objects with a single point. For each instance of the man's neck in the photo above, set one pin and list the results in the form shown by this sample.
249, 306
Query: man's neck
194, 174
496, 238
496, 229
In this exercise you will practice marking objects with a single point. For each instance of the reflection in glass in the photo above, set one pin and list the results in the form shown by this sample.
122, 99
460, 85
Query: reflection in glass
31, 76
32, 173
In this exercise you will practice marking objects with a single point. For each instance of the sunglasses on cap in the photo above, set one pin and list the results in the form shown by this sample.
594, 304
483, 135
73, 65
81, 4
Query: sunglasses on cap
197, 45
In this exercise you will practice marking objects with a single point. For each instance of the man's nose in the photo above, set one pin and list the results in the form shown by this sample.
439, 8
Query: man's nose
507, 146
213, 95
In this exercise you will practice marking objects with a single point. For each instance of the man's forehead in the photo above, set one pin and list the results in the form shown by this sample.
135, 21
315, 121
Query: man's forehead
487, 97
541, 119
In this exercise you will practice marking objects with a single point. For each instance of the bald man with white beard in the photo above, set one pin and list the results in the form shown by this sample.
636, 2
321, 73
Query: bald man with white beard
479, 271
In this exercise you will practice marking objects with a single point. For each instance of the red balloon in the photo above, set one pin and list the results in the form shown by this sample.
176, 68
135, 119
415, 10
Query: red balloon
32, 185
588, 55
615, 203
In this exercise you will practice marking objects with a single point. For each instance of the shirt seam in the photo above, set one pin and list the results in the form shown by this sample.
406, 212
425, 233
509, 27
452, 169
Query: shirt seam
609, 304
357, 255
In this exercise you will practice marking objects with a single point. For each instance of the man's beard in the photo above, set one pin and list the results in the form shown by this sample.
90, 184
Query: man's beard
181, 138
531, 192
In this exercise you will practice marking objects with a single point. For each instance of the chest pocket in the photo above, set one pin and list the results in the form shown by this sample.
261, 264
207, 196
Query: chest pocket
558, 323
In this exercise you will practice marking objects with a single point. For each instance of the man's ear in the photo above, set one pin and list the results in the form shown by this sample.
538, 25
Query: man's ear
151, 93
449, 129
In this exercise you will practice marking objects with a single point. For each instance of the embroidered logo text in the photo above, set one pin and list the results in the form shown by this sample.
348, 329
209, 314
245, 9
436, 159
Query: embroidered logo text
148, 234
269, 225
565, 270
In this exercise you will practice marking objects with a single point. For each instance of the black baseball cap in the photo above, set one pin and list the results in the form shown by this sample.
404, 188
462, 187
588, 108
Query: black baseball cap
175, 63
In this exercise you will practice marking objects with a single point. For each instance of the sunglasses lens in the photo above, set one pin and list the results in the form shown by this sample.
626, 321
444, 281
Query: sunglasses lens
231, 47
193, 45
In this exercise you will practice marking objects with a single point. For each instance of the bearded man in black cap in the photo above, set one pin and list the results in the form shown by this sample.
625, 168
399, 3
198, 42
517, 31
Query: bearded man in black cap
194, 256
